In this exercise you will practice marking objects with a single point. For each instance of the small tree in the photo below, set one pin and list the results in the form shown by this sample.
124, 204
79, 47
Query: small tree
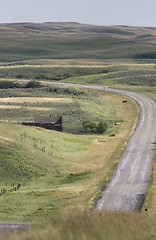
8, 84
89, 126
93, 127
102, 127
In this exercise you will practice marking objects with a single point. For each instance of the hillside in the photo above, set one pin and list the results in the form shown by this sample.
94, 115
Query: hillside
57, 171
77, 30
23, 41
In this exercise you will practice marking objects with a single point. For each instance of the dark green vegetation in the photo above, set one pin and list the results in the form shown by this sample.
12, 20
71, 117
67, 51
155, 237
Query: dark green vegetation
13, 90
49, 73
110, 74
148, 55
9, 84
32, 84
120, 75
94, 127
27, 41
73, 177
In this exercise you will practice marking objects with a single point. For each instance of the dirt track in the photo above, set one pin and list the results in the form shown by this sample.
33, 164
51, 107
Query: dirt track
131, 180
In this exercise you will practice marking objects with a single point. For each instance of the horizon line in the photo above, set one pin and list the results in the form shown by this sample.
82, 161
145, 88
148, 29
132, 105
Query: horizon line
75, 22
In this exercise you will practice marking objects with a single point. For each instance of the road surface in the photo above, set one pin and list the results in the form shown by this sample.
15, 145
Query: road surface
130, 182
6, 229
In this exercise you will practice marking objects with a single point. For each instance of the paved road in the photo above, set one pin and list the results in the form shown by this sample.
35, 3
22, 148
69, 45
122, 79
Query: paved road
6, 229
131, 180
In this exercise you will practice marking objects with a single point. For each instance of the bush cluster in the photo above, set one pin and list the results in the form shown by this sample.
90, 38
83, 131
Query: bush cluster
147, 55
32, 84
9, 84
94, 127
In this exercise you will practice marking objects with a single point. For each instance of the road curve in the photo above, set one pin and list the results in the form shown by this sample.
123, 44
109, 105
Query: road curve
130, 182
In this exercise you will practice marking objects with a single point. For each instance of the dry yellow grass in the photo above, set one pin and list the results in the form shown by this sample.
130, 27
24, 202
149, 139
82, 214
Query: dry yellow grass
84, 225
23, 107
5, 139
35, 100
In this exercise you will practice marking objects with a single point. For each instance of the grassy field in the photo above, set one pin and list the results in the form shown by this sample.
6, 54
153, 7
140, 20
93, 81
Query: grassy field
74, 105
21, 49
29, 41
58, 172
100, 226
48, 72
120, 75
133, 74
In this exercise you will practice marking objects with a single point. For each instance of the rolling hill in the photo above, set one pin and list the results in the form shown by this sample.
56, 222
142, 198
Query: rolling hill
23, 41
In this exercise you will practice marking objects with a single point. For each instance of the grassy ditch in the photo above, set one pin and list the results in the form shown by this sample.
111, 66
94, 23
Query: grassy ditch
150, 197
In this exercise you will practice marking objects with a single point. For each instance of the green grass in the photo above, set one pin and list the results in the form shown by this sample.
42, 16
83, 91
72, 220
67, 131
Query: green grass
85, 225
16, 165
41, 164
106, 74
49, 72
120, 75
17, 49
60, 171
82, 105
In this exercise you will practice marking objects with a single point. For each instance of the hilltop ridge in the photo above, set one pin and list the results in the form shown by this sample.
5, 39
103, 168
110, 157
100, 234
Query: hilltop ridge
75, 29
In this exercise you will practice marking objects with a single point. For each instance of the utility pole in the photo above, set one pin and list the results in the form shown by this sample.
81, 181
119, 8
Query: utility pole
104, 88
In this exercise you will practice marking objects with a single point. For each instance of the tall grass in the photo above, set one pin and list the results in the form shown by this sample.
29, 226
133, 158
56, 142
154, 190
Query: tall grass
94, 226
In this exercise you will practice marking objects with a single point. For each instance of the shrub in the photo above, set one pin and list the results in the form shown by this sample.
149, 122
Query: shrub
8, 84
94, 127
102, 127
33, 84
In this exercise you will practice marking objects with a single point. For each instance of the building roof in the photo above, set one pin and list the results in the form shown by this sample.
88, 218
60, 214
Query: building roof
47, 119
